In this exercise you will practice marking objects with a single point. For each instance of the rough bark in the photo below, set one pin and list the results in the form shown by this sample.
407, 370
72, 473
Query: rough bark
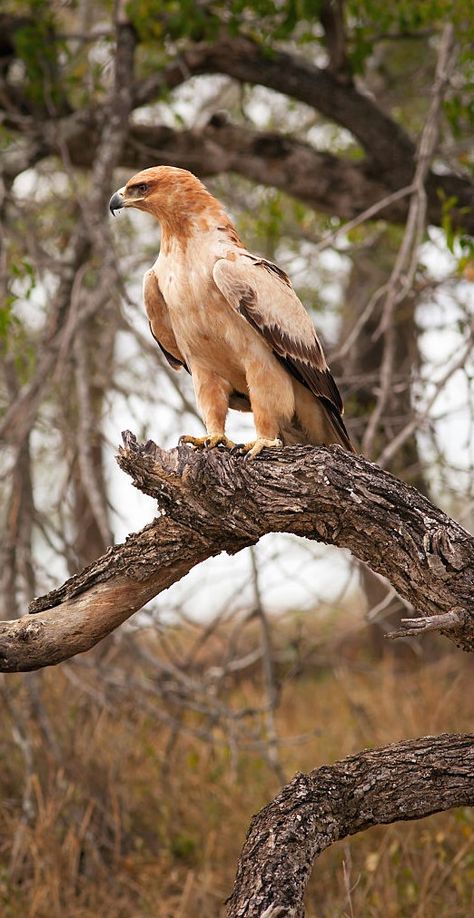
216, 501
403, 781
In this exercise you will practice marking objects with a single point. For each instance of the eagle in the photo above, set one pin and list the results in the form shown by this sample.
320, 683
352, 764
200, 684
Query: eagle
232, 319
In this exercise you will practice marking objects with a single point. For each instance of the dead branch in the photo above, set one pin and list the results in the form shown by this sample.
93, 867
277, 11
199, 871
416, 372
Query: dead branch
216, 501
407, 780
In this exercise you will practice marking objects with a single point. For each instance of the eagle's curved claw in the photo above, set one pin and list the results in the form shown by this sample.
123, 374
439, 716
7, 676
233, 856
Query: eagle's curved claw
208, 442
220, 440
254, 448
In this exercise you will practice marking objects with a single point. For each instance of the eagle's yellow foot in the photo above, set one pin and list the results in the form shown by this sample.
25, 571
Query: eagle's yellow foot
208, 442
254, 448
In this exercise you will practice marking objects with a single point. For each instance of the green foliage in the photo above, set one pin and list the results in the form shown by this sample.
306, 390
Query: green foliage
366, 21
6, 318
39, 48
176, 19
370, 20
459, 109
172, 19
183, 846
15, 339
459, 244
22, 272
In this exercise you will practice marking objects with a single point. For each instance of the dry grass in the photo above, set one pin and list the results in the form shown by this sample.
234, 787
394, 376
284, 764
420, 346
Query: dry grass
116, 820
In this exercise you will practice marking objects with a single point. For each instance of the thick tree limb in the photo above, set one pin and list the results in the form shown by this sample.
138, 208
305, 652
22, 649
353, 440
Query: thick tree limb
215, 501
248, 62
321, 180
403, 781
390, 152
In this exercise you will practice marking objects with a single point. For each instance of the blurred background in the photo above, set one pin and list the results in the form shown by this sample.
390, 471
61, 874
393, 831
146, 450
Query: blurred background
129, 775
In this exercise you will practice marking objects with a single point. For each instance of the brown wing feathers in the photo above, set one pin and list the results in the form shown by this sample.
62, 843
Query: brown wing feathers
305, 363
173, 361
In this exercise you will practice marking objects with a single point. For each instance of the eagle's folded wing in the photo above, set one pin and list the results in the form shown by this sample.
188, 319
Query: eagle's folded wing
263, 295
159, 321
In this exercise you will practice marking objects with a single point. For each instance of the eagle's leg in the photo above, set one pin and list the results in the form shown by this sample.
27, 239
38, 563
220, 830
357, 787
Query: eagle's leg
212, 395
272, 401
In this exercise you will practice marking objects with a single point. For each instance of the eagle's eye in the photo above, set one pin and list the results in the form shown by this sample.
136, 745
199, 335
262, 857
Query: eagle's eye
141, 189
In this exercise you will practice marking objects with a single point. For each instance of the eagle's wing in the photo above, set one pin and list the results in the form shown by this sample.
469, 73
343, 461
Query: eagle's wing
262, 293
159, 321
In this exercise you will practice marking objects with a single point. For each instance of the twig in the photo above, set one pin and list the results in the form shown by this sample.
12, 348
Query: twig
367, 214
414, 423
415, 626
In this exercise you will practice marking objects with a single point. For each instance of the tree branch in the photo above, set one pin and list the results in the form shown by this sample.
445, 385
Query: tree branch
216, 501
328, 183
403, 781
246, 61
332, 21
321, 180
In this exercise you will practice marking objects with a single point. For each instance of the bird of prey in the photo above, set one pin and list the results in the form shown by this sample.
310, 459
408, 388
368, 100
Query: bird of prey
232, 320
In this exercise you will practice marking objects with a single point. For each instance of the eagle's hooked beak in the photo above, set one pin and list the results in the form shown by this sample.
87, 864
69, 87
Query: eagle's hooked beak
117, 201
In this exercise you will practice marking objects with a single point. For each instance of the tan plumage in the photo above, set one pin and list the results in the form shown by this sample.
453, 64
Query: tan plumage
232, 320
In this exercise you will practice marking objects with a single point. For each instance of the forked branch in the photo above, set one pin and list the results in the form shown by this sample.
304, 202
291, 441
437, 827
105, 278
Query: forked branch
217, 501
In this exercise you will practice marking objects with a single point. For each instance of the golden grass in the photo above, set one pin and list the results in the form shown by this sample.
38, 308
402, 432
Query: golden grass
121, 822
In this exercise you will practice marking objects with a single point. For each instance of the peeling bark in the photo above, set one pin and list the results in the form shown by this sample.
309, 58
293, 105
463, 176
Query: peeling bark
215, 501
404, 781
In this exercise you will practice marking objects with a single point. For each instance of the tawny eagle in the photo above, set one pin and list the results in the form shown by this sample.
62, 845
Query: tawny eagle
232, 319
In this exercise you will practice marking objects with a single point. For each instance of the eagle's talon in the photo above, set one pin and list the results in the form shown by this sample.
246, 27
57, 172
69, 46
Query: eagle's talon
207, 442
254, 448
220, 440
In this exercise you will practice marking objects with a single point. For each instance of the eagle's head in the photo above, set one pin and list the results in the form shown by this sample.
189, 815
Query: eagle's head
169, 193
